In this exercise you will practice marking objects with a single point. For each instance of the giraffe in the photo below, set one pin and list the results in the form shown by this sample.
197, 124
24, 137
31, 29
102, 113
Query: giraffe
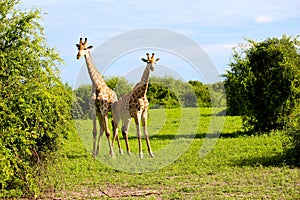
134, 105
102, 97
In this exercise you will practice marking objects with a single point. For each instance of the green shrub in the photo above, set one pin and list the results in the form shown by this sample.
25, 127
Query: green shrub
292, 144
262, 84
35, 107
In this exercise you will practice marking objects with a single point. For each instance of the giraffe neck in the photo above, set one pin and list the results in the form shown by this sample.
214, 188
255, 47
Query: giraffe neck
95, 75
146, 76
142, 87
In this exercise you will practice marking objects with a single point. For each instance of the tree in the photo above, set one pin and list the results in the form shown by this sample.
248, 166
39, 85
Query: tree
119, 84
186, 94
175, 92
218, 94
201, 92
238, 82
35, 106
81, 107
159, 95
263, 82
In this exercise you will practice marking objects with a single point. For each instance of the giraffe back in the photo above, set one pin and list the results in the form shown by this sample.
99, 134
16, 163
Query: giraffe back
105, 97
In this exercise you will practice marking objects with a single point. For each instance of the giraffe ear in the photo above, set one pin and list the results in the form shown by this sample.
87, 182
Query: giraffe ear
90, 47
144, 60
77, 45
157, 59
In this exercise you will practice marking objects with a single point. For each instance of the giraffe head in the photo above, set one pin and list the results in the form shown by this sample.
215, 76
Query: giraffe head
83, 49
150, 61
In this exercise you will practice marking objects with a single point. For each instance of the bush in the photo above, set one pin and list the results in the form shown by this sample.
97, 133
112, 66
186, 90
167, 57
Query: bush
35, 107
263, 83
119, 84
170, 93
292, 144
202, 93
81, 107
160, 96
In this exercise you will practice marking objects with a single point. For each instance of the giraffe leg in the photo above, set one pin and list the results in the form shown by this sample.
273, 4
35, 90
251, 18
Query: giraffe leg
125, 128
94, 119
107, 133
144, 123
100, 119
94, 133
115, 124
138, 133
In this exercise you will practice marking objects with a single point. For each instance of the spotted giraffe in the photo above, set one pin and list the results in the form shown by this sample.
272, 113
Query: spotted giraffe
134, 105
102, 96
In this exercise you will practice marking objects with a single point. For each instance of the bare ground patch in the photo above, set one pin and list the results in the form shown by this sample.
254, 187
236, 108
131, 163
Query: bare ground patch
107, 191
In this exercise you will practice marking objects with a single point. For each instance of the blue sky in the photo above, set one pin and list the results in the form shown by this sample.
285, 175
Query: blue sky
216, 26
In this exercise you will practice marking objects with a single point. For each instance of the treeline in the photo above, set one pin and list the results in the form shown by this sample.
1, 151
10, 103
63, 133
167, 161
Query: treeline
163, 92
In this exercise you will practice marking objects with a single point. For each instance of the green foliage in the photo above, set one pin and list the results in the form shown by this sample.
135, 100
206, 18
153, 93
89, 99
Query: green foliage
170, 93
292, 143
35, 107
238, 82
81, 106
202, 93
160, 95
119, 84
162, 92
217, 94
263, 83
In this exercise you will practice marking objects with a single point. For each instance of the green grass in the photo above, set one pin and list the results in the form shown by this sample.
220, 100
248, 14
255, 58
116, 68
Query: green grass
185, 166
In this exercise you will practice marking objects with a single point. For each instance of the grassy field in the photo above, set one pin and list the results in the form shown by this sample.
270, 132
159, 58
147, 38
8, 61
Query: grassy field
191, 162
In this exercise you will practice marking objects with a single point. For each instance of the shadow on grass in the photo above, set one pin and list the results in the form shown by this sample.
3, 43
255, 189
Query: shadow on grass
278, 160
221, 113
236, 134
174, 137
198, 135
192, 136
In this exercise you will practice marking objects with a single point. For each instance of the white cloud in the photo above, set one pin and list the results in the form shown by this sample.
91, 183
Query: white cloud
219, 47
263, 19
230, 46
